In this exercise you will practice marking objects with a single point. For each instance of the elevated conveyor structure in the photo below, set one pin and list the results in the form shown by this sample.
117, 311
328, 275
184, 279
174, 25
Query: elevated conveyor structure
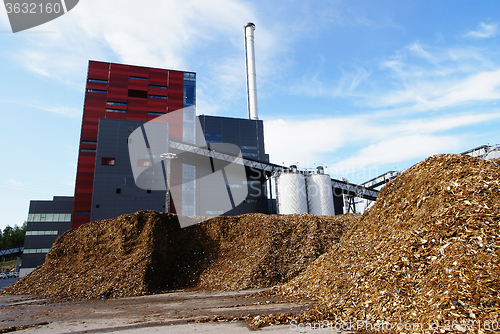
380, 180
484, 152
339, 187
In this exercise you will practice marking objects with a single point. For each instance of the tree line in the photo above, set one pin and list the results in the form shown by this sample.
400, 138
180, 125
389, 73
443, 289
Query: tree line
12, 237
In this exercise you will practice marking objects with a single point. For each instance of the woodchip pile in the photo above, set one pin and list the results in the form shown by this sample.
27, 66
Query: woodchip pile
147, 252
426, 253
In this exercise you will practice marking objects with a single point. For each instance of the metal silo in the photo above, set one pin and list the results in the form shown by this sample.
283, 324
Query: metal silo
319, 193
291, 192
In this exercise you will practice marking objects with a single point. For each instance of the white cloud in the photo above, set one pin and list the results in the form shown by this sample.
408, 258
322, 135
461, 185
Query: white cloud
373, 139
192, 35
13, 182
445, 93
396, 150
484, 30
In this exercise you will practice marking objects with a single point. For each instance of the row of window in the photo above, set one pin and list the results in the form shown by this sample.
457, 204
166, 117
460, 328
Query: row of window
49, 217
189, 76
131, 93
251, 148
42, 232
36, 250
98, 80
111, 103
217, 135
116, 110
119, 191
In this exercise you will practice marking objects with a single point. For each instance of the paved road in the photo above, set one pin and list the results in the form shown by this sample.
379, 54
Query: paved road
164, 313
6, 282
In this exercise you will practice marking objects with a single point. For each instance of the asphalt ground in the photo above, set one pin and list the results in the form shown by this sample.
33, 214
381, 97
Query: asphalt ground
6, 282
175, 312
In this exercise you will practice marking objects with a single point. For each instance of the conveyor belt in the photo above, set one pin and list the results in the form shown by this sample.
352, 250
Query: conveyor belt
345, 187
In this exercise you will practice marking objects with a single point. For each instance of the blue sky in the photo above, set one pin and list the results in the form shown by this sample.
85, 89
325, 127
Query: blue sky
362, 87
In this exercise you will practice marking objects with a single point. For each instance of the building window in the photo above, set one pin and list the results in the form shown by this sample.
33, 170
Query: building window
111, 103
154, 181
142, 94
138, 78
82, 212
98, 80
252, 183
107, 161
152, 172
96, 91
143, 163
42, 232
156, 113
249, 155
118, 190
251, 148
49, 217
156, 86
157, 97
148, 191
214, 142
88, 150
85, 142
36, 250
97, 206
247, 200
217, 135
116, 110
211, 213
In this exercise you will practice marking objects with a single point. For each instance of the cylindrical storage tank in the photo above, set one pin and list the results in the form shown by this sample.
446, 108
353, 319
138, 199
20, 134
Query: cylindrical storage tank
291, 193
320, 194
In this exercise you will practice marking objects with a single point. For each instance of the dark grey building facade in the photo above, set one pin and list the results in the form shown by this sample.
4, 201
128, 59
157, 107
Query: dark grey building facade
115, 191
46, 221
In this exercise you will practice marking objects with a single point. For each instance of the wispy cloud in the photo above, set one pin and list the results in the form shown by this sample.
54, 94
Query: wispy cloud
396, 150
59, 110
415, 78
199, 36
484, 30
14, 182
372, 140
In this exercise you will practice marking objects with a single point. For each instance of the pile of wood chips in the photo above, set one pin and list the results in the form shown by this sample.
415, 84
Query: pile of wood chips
147, 252
424, 256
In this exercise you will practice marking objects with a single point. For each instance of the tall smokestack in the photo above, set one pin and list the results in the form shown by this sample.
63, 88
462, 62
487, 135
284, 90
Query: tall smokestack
251, 74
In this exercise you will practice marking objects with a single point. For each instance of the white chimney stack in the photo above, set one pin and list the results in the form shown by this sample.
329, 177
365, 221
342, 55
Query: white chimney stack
251, 74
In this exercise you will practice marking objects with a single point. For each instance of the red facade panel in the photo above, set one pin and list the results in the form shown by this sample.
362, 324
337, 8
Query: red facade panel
111, 94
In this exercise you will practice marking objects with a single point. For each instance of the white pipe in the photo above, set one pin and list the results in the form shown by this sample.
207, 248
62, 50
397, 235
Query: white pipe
251, 74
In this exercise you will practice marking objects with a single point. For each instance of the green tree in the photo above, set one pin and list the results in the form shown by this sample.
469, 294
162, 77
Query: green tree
12, 236
7, 234
17, 238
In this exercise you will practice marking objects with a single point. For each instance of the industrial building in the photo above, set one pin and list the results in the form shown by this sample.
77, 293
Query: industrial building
121, 101
46, 221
